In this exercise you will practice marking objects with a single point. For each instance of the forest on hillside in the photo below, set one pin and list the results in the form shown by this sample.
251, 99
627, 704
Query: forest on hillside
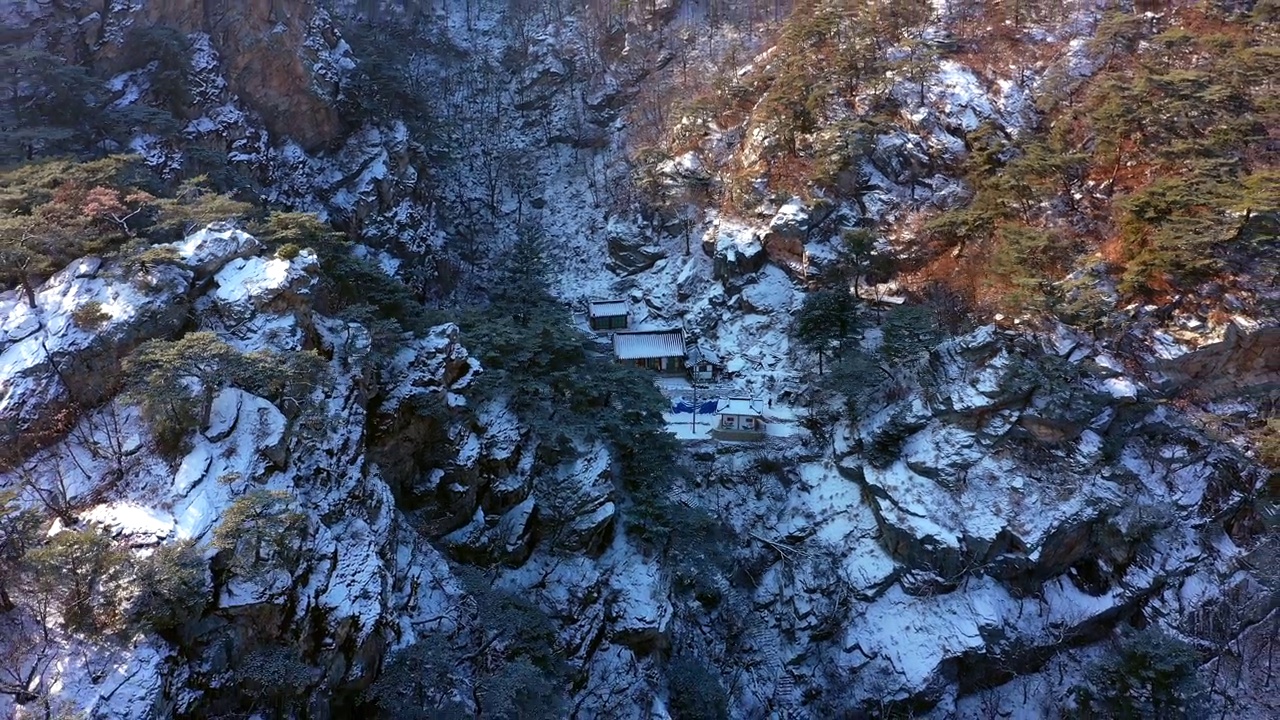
1017, 174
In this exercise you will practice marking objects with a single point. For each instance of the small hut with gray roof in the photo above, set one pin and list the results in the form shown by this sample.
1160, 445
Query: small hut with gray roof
608, 315
740, 419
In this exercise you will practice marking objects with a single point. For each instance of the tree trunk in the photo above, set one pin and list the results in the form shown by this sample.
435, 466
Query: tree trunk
30, 291
206, 407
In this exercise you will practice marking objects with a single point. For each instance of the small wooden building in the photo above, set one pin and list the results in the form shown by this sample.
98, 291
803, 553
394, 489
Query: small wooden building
608, 315
703, 363
661, 350
740, 419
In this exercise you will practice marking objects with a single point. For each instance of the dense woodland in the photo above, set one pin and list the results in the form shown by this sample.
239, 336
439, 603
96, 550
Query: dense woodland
1163, 164
1162, 169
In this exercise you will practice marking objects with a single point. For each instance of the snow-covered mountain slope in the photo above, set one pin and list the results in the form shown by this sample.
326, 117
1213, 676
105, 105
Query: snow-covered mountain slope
984, 528
962, 548
366, 570
992, 514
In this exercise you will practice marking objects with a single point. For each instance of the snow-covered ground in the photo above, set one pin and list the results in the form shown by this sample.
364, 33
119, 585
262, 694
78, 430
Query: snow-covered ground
867, 580
108, 468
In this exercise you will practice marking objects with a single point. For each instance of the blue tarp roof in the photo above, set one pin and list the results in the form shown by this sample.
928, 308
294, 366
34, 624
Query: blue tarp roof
707, 407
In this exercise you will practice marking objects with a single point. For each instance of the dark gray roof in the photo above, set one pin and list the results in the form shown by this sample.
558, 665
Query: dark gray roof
700, 352
648, 344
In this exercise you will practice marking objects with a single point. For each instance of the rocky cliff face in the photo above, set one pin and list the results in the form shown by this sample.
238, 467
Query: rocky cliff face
372, 571
264, 85
1016, 504
272, 52
364, 574
53, 368
1019, 499
1244, 363
958, 549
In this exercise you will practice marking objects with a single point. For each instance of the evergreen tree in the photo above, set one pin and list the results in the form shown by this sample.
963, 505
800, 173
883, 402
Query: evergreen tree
417, 682
195, 204
1152, 675
1028, 258
389, 81
301, 229
525, 339
19, 532
261, 532
854, 375
80, 571
175, 381
514, 674
523, 275
1170, 228
520, 690
909, 331
52, 212
166, 53
856, 246
350, 286
47, 106
826, 318
173, 588
696, 692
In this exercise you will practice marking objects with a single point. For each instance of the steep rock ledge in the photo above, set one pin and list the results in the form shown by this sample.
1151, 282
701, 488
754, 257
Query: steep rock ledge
363, 580
1243, 363
1020, 502
56, 360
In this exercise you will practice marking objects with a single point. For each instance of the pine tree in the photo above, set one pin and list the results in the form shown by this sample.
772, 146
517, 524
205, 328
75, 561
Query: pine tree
19, 532
47, 106
909, 331
826, 318
260, 532
195, 205
1028, 258
523, 276
81, 571
166, 52
1151, 675
161, 375
856, 246
173, 587
52, 212
696, 692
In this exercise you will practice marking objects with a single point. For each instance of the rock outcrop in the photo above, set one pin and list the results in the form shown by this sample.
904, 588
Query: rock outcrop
273, 54
1003, 511
1241, 364
631, 254
64, 354
277, 56
735, 249
363, 572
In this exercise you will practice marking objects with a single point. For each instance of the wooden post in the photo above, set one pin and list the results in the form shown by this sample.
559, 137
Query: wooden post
695, 407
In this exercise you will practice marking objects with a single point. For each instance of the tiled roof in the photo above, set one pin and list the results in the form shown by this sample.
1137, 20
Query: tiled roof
701, 352
648, 344
607, 308
742, 406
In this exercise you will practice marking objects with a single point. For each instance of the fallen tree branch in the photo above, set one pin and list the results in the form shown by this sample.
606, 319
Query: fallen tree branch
785, 551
